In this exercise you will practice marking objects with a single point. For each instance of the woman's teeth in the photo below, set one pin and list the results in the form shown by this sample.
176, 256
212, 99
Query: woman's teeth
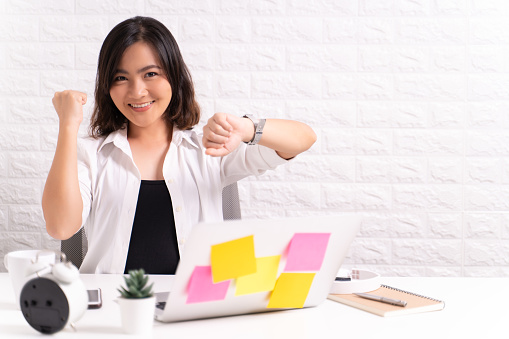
142, 105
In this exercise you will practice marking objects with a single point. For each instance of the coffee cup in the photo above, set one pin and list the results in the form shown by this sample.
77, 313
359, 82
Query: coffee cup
18, 262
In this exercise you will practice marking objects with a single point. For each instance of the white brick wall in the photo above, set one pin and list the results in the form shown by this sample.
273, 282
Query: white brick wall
409, 98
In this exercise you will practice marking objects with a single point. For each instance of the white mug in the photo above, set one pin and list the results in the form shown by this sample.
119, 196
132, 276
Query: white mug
18, 262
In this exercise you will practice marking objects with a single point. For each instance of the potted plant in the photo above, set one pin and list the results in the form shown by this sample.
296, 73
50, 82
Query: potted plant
137, 303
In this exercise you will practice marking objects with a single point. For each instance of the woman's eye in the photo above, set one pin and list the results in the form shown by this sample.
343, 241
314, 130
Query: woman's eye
151, 74
120, 78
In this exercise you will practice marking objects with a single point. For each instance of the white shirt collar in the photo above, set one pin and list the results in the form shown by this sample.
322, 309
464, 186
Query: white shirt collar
191, 136
119, 139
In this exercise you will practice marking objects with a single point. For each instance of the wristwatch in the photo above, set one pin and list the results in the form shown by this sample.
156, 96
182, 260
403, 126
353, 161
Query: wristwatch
258, 127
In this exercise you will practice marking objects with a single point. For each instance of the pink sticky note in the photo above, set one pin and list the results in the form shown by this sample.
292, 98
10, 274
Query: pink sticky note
202, 289
306, 251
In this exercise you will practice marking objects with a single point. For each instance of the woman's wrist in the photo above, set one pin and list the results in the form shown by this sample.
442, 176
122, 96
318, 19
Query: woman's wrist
68, 129
248, 131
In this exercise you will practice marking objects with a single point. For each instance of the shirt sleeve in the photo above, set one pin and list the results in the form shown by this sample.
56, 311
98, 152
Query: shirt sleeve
85, 178
248, 160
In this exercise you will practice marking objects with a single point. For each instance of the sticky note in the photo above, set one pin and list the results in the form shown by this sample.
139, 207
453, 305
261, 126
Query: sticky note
233, 259
263, 280
291, 290
306, 251
201, 288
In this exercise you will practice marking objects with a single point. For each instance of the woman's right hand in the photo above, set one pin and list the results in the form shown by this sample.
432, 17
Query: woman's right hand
69, 107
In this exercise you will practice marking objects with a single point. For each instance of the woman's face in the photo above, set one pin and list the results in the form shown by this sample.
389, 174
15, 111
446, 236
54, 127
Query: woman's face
140, 89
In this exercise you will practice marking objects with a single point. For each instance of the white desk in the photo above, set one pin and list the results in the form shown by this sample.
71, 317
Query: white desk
475, 308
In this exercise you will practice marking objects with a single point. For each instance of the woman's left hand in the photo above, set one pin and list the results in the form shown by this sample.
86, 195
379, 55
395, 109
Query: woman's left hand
224, 132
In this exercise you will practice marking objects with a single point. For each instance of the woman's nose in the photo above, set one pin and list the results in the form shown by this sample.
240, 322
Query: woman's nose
138, 88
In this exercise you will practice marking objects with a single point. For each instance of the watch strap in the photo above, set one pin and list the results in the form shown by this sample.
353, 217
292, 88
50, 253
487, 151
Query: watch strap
259, 124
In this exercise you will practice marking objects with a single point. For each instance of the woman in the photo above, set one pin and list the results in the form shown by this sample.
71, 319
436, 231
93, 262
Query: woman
143, 178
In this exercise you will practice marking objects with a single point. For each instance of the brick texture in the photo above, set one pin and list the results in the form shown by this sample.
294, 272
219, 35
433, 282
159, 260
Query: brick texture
409, 100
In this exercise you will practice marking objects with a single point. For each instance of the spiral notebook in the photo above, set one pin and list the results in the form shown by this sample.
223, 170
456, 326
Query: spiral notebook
415, 303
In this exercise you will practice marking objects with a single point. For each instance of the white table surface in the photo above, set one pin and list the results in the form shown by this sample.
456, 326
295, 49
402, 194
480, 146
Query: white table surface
475, 308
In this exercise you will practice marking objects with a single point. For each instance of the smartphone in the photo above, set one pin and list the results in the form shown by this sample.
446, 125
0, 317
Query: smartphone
94, 298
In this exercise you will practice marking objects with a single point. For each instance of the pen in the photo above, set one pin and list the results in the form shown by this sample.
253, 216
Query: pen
396, 302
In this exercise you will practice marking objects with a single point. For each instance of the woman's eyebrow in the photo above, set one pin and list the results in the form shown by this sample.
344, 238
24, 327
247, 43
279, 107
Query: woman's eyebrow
141, 70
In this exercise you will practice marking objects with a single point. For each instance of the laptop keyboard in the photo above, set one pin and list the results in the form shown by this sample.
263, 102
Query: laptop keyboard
161, 298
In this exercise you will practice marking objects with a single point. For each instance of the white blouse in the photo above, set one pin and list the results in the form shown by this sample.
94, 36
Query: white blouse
110, 183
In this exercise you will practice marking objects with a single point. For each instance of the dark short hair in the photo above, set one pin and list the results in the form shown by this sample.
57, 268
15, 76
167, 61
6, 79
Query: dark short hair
183, 110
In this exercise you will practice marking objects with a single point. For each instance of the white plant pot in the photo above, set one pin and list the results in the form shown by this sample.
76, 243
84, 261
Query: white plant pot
137, 315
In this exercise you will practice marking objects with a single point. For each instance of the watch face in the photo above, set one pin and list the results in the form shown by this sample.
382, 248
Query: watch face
44, 305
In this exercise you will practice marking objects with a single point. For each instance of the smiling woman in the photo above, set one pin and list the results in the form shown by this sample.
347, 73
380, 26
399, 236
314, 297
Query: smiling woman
144, 177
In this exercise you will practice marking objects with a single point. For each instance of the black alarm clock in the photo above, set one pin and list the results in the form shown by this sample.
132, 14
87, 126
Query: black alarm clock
53, 296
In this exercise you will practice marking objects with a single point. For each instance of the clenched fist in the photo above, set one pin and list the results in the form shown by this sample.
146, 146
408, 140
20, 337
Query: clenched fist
224, 132
69, 107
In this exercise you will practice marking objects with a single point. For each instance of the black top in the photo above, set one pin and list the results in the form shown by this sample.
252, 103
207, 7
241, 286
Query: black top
153, 244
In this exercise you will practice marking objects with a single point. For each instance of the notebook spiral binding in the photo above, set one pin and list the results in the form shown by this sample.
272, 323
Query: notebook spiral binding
417, 295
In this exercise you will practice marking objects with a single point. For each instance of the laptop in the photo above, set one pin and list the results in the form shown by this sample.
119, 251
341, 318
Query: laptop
250, 266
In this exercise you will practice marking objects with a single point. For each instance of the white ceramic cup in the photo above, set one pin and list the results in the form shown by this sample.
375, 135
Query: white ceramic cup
17, 263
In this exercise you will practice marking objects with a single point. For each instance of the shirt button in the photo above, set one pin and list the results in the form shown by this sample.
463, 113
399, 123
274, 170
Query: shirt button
178, 209
170, 181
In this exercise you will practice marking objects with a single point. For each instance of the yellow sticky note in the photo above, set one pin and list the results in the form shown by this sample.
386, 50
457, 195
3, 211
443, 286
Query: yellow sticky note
291, 290
233, 259
263, 280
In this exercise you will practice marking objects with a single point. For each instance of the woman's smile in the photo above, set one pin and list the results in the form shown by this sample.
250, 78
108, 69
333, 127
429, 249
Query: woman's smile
142, 107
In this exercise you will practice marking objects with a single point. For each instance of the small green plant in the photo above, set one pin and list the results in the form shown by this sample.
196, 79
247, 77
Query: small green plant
136, 284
